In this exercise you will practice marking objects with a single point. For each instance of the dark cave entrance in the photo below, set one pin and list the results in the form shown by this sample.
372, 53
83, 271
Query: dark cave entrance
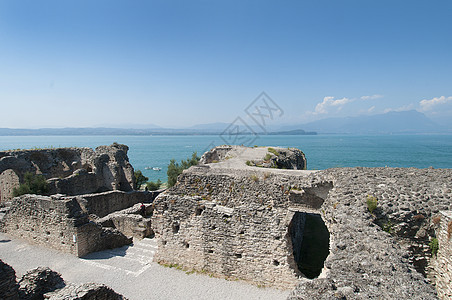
310, 242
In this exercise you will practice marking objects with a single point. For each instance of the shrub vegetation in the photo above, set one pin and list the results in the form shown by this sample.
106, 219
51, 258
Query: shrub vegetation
434, 246
175, 169
153, 186
371, 203
33, 184
140, 179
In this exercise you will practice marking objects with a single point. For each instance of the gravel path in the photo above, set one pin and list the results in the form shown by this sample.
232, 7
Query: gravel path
130, 271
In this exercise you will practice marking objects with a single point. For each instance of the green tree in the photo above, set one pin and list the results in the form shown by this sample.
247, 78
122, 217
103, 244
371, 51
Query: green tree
175, 169
140, 179
153, 186
33, 184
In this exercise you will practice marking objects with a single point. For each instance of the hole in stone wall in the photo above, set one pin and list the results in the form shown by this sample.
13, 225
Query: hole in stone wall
310, 242
163, 243
210, 251
213, 227
275, 262
176, 228
238, 255
199, 211
242, 232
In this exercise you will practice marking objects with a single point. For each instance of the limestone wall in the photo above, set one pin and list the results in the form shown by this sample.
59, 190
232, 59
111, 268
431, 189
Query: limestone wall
234, 225
233, 220
102, 204
45, 221
442, 265
8, 181
71, 171
60, 223
130, 221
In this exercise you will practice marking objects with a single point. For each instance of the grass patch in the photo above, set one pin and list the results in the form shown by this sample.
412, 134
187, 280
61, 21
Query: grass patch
254, 178
434, 246
372, 203
272, 150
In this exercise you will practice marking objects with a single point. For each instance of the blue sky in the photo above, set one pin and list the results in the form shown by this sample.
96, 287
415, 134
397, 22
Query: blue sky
180, 63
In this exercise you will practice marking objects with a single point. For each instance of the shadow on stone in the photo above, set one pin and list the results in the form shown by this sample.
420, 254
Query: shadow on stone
310, 242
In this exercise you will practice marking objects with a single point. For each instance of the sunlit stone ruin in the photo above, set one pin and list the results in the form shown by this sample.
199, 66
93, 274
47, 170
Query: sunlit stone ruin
91, 206
252, 214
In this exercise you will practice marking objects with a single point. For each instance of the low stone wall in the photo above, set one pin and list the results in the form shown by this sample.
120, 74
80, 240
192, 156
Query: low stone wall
60, 223
442, 265
102, 204
130, 222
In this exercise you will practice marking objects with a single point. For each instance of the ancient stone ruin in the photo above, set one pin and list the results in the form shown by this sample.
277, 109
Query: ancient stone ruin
43, 283
311, 229
255, 214
79, 221
70, 171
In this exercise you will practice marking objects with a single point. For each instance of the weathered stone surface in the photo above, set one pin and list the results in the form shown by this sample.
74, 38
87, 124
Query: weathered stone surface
71, 171
8, 181
9, 289
130, 222
234, 220
442, 262
267, 157
43, 283
102, 204
60, 223
35, 283
87, 291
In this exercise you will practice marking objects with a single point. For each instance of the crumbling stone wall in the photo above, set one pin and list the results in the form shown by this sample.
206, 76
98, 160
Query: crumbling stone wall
71, 171
43, 283
9, 289
233, 224
131, 221
8, 181
442, 263
59, 223
102, 204
237, 221
385, 253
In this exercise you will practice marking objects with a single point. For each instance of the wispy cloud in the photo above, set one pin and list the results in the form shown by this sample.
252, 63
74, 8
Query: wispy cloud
372, 97
401, 108
428, 105
328, 102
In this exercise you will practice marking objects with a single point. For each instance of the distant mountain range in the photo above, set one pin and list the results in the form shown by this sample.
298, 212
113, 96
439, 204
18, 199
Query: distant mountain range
410, 121
389, 123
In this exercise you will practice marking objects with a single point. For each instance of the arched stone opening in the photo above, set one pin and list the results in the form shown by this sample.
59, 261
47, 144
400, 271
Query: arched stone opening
310, 240
8, 181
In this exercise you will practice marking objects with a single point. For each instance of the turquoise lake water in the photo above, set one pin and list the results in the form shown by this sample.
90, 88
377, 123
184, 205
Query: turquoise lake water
322, 151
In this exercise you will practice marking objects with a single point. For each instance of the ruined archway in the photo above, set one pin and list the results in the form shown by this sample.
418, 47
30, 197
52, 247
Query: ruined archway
310, 241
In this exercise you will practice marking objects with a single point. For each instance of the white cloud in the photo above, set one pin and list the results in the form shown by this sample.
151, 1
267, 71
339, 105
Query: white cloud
372, 97
322, 108
332, 105
427, 105
402, 108
371, 109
